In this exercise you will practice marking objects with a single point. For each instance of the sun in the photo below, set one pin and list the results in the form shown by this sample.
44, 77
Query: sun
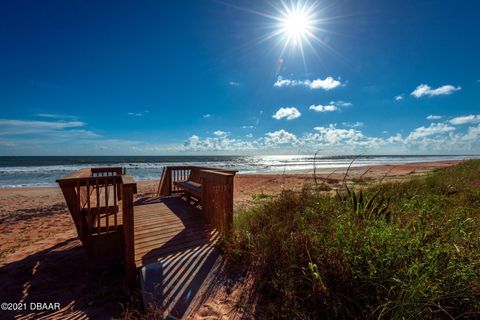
296, 25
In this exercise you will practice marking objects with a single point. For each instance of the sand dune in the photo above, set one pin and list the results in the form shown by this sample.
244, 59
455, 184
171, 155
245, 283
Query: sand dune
40, 251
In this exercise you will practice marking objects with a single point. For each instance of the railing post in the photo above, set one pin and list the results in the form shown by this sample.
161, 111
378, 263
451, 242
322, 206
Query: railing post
229, 205
165, 187
129, 188
217, 202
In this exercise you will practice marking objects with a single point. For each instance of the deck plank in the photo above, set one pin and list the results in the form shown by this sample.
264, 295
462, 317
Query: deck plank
166, 227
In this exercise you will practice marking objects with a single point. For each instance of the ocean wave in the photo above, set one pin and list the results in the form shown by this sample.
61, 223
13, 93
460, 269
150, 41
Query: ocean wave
45, 175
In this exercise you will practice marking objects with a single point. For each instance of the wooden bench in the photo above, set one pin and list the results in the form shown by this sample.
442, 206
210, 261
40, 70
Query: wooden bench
191, 188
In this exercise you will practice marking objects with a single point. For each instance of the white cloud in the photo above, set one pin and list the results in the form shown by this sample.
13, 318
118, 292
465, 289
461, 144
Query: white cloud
248, 127
249, 135
332, 106
353, 124
334, 136
54, 138
433, 129
138, 114
220, 133
438, 137
395, 139
341, 103
321, 108
288, 83
56, 116
399, 97
234, 83
208, 115
16, 127
280, 137
326, 84
289, 113
425, 90
434, 117
466, 119
220, 143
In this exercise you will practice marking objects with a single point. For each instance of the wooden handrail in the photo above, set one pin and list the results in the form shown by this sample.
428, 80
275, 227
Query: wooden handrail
171, 174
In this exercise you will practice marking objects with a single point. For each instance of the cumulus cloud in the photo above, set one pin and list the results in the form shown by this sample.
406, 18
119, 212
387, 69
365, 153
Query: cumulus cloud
437, 137
332, 106
395, 139
399, 97
326, 84
220, 133
465, 119
434, 117
289, 113
248, 127
280, 137
333, 135
425, 90
433, 129
322, 108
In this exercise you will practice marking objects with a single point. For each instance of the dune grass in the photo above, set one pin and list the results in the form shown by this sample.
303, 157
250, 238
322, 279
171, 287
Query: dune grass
404, 250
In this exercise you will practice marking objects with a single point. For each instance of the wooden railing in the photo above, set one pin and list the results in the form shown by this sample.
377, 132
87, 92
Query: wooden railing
107, 171
96, 196
217, 206
172, 174
217, 191
93, 197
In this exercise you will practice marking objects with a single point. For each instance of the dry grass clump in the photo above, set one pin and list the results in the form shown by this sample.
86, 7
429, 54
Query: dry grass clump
389, 251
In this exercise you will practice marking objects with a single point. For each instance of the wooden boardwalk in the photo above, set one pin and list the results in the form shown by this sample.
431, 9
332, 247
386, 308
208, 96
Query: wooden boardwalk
167, 225
175, 252
168, 239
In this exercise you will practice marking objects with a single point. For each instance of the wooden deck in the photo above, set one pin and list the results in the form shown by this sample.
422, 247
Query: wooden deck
167, 240
112, 226
167, 225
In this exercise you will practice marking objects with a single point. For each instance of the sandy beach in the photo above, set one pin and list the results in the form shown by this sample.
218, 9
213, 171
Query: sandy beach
42, 260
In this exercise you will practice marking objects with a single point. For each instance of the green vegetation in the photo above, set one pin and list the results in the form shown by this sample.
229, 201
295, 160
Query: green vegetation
7, 251
261, 196
391, 251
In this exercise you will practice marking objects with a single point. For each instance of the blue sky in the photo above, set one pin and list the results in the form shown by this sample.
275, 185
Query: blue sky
203, 77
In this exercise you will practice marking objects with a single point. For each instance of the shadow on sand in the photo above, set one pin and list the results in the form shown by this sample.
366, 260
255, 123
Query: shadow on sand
62, 274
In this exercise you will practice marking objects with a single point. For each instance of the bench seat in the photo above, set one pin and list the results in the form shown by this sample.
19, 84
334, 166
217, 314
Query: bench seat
190, 187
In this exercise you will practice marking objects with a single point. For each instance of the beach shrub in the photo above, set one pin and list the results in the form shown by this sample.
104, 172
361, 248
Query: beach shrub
403, 250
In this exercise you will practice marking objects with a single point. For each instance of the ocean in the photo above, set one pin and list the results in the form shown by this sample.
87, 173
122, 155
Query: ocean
43, 171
